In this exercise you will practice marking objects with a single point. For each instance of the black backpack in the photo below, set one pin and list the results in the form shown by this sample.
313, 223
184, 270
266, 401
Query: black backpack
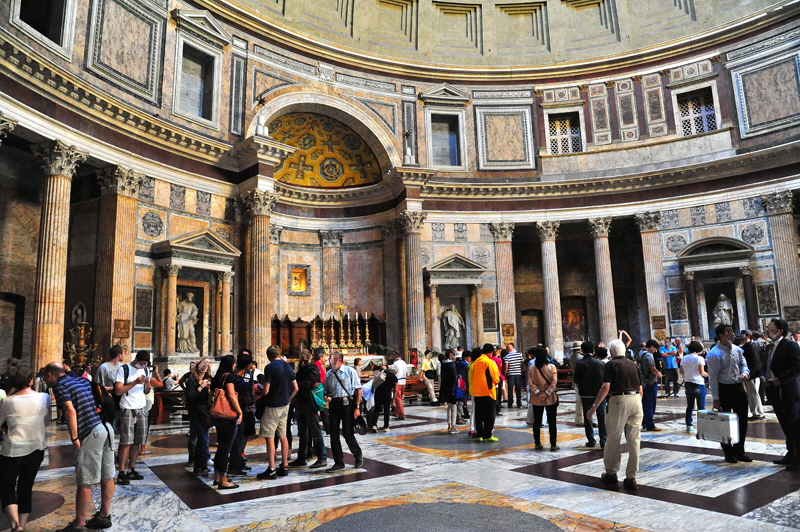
105, 403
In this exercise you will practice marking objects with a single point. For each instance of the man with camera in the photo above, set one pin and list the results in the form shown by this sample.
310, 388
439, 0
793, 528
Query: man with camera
343, 393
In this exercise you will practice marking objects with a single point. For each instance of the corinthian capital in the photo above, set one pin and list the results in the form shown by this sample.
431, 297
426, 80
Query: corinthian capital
6, 125
547, 230
600, 227
648, 221
258, 203
413, 221
502, 232
777, 203
58, 158
224, 277
117, 180
171, 270
331, 239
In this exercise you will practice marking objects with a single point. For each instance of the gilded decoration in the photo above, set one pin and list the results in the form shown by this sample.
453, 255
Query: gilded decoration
329, 154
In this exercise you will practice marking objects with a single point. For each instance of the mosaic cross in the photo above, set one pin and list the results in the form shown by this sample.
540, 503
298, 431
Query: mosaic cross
361, 168
301, 168
329, 143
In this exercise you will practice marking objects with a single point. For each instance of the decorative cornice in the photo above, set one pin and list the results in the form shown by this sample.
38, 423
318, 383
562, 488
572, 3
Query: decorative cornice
331, 239
275, 234
58, 158
258, 203
600, 227
42, 77
778, 203
547, 230
258, 149
171, 270
117, 180
648, 221
414, 176
6, 125
502, 232
413, 221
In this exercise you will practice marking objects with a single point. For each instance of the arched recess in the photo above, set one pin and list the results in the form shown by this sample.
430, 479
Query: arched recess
715, 249
379, 138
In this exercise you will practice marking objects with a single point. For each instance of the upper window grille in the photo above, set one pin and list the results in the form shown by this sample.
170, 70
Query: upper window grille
565, 134
697, 114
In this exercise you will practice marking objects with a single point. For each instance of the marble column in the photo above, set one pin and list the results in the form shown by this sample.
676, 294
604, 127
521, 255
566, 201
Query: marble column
655, 282
392, 303
171, 308
691, 301
260, 308
59, 163
403, 274
477, 321
275, 268
750, 302
784, 248
504, 263
331, 269
224, 279
116, 253
600, 227
553, 332
413, 222
436, 326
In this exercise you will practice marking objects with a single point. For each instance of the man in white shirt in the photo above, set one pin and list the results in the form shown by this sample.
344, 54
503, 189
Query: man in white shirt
132, 383
727, 369
402, 372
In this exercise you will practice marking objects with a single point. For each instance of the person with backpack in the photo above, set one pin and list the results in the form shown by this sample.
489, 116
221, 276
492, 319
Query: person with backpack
131, 385
307, 412
93, 441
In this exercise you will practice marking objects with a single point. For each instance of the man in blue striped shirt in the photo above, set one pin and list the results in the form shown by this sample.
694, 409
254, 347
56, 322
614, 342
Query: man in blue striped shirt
513, 370
92, 442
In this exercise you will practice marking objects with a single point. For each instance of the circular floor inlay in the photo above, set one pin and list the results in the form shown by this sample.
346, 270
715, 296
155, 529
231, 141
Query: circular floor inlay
442, 517
461, 442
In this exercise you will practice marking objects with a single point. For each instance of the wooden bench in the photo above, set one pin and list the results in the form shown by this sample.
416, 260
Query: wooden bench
175, 403
415, 390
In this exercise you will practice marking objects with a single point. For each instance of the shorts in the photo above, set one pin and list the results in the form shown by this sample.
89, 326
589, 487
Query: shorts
132, 426
273, 422
94, 459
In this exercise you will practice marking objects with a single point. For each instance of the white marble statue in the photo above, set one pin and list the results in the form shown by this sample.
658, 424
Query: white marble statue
187, 317
452, 322
723, 311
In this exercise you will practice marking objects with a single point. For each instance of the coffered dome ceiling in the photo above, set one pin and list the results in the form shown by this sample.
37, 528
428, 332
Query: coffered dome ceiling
500, 33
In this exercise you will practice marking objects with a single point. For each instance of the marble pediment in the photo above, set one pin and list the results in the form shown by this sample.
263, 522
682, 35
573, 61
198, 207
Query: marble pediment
201, 249
715, 253
455, 269
201, 25
445, 94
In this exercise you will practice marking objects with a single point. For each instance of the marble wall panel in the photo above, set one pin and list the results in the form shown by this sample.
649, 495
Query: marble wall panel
754, 233
769, 95
626, 106
180, 225
356, 237
300, 237
144, 275
737, 210
724, 230
505, 137
265, 82
143, 308
763, 275
767, 299
190, 201
162, 189
442, 251
152, 223
305, 307
675, 282
142, 340
217, 207
677, 306
147, 191
363, 280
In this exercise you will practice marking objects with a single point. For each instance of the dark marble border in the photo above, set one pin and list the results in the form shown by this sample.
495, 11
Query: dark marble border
736, 502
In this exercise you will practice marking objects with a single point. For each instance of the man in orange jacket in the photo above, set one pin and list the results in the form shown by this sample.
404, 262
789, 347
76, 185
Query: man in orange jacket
483, 380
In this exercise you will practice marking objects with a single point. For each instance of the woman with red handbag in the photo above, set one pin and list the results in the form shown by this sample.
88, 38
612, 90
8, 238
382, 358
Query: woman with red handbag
226, 381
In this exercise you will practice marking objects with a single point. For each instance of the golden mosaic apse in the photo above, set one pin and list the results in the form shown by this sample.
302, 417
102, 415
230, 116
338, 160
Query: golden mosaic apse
329, 154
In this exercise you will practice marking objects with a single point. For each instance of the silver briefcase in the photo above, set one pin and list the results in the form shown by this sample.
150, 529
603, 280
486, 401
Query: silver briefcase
722, 427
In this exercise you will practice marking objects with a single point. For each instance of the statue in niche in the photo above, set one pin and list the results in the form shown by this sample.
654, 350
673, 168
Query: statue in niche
187, 317
723, 311
452, 322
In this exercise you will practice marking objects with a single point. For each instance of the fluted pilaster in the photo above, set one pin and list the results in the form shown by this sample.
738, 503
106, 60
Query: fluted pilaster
116, 251
59, 163
393, 305
477, 332
553, 333
654, 280
171, 303
331, 269
436, 327
224, 279
504, 263
784, 247
275, 269
413, 222
260, 306
600, 227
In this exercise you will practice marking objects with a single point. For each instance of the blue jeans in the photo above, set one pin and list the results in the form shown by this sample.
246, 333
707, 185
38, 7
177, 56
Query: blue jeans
694, 393
308, 429
514, 382
649, 405
199, 453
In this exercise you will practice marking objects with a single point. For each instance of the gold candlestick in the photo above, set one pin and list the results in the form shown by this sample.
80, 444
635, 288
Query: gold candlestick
333, 336
349, 336
314, 333
358, 335
366, 330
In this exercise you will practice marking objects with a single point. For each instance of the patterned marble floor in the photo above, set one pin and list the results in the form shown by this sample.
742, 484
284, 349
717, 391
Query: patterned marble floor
685, 485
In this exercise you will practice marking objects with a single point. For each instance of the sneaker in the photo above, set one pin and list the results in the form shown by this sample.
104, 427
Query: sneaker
374, 430
98, 522
554, 447
454, 430
539, 447
133, 475
334, 468
319, 463
268, 474
297, 463
609, 479
691, 430
384, 429
282, 471
122, 480
72, 528
630, 484
490, 438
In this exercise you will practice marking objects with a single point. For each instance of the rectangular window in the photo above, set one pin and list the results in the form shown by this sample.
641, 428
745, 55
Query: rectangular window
564, 134
697, 113
197, 83
445, 140
45, 16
